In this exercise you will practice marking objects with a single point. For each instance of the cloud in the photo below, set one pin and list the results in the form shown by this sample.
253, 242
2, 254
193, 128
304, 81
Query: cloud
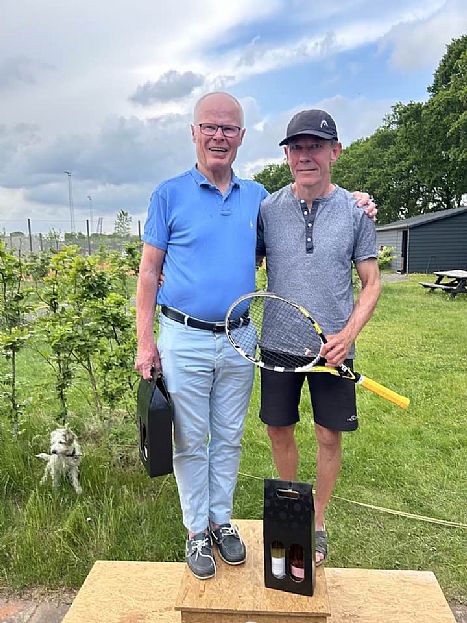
418, 45
171, 86
260, 57
20, 70
107, 93
126, 150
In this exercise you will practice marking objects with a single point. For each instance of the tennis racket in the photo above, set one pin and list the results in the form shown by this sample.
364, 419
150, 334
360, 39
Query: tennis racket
279, 335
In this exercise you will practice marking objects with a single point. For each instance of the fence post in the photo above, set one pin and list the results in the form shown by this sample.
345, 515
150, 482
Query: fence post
87, 235
139, 230
41, 243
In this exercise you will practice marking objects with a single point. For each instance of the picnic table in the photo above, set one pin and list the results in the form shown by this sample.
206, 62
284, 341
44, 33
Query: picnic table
452, 281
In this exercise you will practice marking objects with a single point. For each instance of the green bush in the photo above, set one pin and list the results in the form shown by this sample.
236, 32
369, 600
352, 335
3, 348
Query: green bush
385, 257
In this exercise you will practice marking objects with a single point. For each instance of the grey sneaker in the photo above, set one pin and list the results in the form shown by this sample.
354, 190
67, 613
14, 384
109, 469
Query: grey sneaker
198, 554
231, 547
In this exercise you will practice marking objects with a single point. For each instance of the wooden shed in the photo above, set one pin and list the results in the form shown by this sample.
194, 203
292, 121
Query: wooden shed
427, 242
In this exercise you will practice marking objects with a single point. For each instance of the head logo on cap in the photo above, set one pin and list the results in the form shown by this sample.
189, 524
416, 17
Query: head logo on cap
314, 122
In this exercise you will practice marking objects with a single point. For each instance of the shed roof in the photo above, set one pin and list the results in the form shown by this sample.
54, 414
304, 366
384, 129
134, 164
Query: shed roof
421, 219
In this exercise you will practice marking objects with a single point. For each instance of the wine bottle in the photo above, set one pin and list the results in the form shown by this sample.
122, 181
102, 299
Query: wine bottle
278, 559
296, 563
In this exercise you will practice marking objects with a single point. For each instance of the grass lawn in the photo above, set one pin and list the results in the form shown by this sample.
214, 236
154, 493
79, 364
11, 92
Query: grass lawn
410, 462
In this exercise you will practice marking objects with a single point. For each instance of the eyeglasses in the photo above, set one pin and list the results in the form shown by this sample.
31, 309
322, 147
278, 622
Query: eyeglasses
210, 129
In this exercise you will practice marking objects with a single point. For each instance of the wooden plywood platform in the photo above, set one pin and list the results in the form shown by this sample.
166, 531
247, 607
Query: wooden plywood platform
377, 596
128, 592
238, 594
146, 592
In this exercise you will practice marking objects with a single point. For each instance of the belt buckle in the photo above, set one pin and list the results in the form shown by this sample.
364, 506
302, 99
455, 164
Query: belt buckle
237, 323
218, 327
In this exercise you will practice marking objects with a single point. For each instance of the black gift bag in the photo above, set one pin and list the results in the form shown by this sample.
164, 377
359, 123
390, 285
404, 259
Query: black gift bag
155, 419
288, 536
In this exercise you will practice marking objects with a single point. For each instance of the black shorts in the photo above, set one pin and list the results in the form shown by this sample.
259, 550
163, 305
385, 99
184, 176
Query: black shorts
332, 399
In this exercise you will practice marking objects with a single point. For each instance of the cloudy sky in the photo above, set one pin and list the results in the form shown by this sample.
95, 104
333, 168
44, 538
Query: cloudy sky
104, 89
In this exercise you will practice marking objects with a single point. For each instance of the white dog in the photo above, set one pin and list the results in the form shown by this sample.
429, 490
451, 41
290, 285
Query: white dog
64, 458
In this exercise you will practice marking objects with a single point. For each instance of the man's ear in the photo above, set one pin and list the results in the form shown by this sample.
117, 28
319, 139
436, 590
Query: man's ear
336, 152
193, 137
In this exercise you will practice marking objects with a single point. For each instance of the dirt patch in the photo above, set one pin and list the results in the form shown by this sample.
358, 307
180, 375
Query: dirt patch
459, 611
385, 276
39, 595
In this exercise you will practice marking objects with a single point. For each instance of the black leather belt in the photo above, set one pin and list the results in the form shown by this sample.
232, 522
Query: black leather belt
216, 327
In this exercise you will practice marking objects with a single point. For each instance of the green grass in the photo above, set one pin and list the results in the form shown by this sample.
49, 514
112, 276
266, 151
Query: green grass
411, 461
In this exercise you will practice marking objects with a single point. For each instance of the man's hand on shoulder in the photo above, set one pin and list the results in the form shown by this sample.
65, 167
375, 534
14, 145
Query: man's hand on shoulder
365, 201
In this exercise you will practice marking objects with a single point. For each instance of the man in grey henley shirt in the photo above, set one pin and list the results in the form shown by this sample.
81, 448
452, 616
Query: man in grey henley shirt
311, 233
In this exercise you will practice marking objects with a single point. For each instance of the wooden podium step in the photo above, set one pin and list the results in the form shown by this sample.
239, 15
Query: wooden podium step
237, 593
146, 592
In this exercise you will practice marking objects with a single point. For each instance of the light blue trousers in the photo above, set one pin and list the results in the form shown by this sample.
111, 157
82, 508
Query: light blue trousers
210, 385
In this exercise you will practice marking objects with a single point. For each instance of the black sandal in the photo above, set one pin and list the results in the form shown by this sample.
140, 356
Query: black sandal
321, 545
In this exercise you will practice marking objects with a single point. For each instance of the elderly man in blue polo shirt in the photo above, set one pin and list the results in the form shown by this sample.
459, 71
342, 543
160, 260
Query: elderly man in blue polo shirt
201, 229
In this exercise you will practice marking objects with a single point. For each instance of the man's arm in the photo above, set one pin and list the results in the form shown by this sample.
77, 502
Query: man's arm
150, 269
338, 345
260, 248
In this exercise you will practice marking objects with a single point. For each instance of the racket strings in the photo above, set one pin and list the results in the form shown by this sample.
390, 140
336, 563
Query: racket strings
278, 334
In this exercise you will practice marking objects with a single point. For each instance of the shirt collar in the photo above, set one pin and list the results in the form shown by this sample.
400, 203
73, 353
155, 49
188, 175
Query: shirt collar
201, 180
330, 196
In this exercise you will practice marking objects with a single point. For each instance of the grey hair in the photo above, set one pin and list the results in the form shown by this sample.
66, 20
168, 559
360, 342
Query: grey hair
206, 95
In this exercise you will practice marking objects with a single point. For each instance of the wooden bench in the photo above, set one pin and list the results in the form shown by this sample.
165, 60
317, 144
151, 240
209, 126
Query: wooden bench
441, 286
456, 282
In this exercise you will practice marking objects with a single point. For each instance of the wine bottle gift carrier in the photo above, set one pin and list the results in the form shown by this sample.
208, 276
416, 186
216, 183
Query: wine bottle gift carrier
288, 536
155, 417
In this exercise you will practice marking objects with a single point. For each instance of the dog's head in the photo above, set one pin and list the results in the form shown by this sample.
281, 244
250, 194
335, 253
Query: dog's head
62, 441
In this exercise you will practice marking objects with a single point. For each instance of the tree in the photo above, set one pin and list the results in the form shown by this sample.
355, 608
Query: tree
450, 66
274, 176
14, 332
122, 225
89, 325
445, 115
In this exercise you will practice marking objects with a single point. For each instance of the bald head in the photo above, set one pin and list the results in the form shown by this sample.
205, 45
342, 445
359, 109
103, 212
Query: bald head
218, 100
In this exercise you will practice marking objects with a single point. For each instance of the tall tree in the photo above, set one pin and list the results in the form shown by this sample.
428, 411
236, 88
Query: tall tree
450, 66
445, 115
122, 225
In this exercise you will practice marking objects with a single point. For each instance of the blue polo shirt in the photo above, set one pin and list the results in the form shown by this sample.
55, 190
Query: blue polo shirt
209, 240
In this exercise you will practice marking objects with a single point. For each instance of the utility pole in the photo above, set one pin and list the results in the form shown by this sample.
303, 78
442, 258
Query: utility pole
91, 213
70, 202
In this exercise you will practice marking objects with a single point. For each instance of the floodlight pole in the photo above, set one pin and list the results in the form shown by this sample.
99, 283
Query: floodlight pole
70, 202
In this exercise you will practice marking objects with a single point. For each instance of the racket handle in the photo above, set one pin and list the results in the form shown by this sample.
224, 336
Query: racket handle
384, 392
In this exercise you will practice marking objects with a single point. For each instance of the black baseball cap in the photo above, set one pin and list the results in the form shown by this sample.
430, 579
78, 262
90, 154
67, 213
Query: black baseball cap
315, 122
